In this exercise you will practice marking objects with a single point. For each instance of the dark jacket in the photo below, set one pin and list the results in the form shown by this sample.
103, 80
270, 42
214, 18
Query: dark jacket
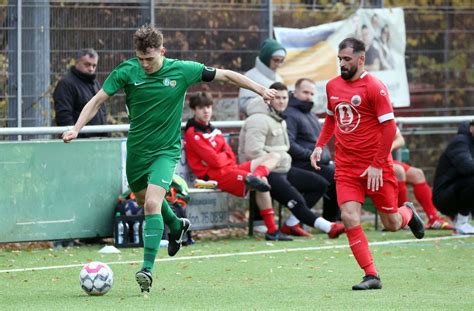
303, 130
457, 161
71, 94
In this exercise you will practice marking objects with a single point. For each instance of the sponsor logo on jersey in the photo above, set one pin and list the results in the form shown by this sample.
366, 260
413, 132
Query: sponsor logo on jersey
347, 117
334, 97
356, 100
139, 83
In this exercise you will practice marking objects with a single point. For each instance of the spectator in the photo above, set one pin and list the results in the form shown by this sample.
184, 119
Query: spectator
453, 187
414, 176
211, 158
303, 131
263, 133
75, 89
271, 57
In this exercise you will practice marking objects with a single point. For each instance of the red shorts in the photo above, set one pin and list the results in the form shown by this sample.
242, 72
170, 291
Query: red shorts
352, 188
231, 179
405, 166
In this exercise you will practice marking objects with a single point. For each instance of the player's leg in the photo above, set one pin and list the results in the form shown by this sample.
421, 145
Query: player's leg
264, 203
402, 183
423, 195
151, 198
161, 174
351, 194
269, 160
393, 218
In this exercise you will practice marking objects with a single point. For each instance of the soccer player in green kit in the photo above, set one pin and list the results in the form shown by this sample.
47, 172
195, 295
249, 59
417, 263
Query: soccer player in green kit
155, 89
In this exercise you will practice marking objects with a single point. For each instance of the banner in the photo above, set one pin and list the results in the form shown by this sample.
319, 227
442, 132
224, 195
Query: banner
312, 52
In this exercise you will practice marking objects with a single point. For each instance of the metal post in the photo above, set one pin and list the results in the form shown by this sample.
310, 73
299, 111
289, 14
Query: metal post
152, 12
19, 87
270, 19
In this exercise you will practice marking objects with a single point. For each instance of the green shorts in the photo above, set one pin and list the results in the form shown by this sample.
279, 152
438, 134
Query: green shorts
160, 172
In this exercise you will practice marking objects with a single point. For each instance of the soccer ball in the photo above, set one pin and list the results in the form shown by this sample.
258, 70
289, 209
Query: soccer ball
96, 278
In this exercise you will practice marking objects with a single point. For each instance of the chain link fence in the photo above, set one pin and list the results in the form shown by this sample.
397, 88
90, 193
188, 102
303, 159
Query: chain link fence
440, 45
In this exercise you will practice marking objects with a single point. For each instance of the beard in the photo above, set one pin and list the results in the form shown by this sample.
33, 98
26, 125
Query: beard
347, 74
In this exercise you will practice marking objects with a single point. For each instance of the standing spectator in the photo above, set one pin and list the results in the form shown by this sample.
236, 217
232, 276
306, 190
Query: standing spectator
263, 133
453, 187
271, 57
211, 158
155, 87
360, 114
303, 131
414, 176
75, 89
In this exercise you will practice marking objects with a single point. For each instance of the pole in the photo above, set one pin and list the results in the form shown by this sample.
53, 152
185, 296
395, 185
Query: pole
19, 86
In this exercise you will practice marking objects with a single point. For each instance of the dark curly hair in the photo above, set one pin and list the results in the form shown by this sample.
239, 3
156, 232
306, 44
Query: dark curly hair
147, 36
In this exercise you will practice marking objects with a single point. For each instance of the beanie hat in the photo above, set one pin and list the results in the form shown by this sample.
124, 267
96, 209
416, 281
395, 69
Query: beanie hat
269, 46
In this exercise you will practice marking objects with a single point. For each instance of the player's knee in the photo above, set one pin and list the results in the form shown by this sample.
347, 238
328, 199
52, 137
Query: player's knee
152, 205
399, 172
417, 175
391, 224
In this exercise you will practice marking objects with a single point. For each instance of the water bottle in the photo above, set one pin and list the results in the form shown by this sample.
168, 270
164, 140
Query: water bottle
120, 232
136, 232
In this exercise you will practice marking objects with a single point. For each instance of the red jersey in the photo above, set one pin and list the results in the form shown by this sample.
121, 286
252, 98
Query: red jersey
359, 108
207, 151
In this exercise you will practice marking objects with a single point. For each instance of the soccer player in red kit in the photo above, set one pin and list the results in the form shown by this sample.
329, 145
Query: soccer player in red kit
360, 114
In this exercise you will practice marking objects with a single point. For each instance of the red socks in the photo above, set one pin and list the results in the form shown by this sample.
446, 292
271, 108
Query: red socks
268, 219
423, 195
360, 249
261, 171
402, 193
406, 214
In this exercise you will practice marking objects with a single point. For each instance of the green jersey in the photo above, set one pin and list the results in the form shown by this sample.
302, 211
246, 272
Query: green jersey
155, 105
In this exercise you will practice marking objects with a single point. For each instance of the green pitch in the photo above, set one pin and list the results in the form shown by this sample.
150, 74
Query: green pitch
252, 274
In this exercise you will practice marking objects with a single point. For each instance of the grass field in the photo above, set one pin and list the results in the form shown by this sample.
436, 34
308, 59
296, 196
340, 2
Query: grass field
252, 274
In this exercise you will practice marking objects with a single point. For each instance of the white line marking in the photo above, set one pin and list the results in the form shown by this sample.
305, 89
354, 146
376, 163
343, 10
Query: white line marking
46, 222
286, 250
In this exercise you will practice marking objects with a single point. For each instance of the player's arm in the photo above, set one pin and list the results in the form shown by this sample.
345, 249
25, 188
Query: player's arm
87, 113
399, 141
242, 81
326, 133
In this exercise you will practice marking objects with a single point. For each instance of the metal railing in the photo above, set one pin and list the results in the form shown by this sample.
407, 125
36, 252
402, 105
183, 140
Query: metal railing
401, 121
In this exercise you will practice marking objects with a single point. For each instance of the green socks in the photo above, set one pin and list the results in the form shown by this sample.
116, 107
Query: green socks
152, 234
170, 218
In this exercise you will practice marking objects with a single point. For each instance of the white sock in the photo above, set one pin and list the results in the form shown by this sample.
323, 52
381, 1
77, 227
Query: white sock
461, 219
292, 221
322, 224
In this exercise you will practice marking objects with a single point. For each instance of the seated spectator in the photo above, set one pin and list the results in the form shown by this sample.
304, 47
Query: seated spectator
303, 130
414, 176
271, 57
211, 158
453, 187
264, 133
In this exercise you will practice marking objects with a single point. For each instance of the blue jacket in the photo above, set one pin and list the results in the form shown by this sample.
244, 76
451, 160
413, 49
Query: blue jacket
303, 130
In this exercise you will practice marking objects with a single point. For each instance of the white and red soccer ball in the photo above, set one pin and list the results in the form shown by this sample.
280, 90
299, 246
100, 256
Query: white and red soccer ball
96, 278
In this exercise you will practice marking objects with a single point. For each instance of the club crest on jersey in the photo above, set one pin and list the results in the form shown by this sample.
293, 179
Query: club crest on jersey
347, 117
356, 100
